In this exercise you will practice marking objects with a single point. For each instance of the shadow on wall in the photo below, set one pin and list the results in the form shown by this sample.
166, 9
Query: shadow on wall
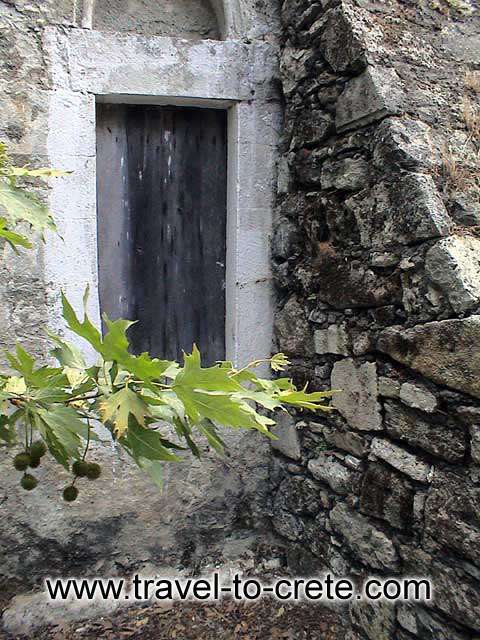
191, 19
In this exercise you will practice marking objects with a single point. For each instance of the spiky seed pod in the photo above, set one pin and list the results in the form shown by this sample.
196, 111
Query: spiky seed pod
21, 461
38, 449
34, 462
80, 468
94, 471
70, 494
28, 482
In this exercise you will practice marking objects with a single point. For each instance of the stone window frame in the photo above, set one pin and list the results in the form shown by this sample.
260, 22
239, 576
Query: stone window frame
86, 66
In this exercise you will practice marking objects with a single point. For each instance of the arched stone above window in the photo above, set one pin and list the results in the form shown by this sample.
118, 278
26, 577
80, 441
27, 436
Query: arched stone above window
191, 19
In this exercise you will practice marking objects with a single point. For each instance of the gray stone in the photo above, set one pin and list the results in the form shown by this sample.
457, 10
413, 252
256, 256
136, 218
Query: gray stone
403, 142
298, 495
357, 400
340, 25
421, 623
292, 328
285, 240
348, 174
346, 440
441, 440
334, 340
308, 166
445, 352
370, 545
466, 210
292, 67
387, 495
288, 525
405, 211
313, 126
388, 388
193, 20
456, 594
371, 96
475, 442
454, 265
452, 515
28, 612
329, 469
284, 175
344, 283
401, 460
375, 619
288, 442
418, 397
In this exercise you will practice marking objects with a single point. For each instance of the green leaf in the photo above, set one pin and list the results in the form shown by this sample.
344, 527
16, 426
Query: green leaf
115, 347
14, 239
25, 172
118, 407
210, 432
154, 469
16, 206
279, 362
84, 329
67, 354
146, 443
61, 428
262, 398
303, 400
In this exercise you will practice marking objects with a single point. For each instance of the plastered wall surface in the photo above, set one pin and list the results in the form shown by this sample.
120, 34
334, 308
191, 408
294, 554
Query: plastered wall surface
54, 70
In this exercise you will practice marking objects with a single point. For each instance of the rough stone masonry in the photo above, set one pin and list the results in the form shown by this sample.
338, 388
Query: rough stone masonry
377, 261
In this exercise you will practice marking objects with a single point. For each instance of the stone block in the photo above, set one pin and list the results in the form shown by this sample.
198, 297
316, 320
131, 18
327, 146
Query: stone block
347, 174
408, 463
357, 400
369, 97
334, 340
346, 440
421, 623
388, 388
340, 24
308, 167
376, 620
298, 495
457, 595
288, 442
285, 240
437, 437
452, 515
403, 142
475, 442
292, 67
418, 397
346, 284
292, 329
405, 211
387, 495
445, 352
454, 265
287, 525
466, 209
312, 126
328, 469
367, 543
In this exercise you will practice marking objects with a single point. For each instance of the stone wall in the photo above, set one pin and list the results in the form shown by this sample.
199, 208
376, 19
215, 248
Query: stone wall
192, 19
376, 255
